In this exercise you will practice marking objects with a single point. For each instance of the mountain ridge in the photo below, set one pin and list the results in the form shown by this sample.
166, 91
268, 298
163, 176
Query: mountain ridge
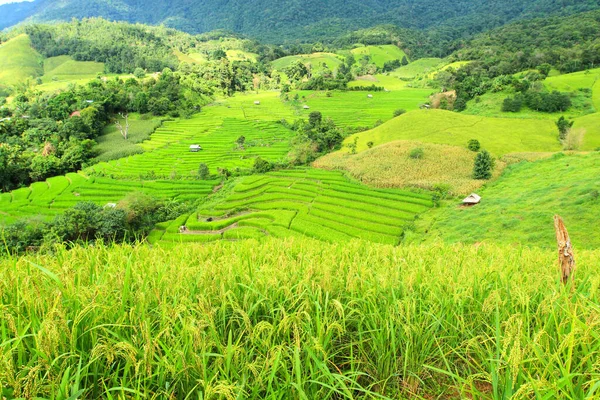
286, 20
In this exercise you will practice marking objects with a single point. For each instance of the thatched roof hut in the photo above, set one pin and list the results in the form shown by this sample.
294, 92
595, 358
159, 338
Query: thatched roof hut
472, 199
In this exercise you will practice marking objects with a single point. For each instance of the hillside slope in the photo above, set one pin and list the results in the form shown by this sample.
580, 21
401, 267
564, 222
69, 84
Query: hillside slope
18, 61
289, 19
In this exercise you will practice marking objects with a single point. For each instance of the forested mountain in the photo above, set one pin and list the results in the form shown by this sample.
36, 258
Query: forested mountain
278, 20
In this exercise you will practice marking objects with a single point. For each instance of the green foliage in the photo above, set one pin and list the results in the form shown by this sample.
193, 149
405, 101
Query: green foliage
513, 104
399, 112
139, 73
484, 164
203, 171
563, 125
417, 153
474, 145
261, 166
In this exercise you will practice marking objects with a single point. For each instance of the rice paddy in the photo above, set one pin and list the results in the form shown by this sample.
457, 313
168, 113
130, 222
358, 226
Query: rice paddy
298, 319
320, 204
46, 199
498, 135
390, 165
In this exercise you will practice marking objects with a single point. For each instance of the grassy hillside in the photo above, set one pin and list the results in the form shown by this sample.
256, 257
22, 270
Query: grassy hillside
319, 204
390, 165
422, 66
298, 319
65, 68
18, 61
389, 82
315, 61
498, 135
525, 198
379, 54
574, 81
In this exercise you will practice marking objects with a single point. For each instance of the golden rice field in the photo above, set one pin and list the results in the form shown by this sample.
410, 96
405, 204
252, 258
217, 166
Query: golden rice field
299, 319
390, 165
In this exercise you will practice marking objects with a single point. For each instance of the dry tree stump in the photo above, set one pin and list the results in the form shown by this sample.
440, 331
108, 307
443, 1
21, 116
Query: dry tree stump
566, 257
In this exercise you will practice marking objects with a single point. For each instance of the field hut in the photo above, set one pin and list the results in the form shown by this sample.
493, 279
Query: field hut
195, 148
306, 107
370, 96
257, 103
110, 205
75, 114
472, 199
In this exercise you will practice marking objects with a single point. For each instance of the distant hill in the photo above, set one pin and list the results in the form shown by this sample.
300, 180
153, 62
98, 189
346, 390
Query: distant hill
280, 20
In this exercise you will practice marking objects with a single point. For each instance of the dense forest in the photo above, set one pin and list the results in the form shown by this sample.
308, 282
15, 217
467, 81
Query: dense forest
292, 20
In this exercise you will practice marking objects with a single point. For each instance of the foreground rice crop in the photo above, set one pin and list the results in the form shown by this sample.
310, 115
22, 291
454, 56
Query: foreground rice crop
298, 319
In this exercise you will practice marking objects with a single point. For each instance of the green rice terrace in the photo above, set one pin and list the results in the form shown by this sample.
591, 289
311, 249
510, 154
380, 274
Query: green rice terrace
315, 203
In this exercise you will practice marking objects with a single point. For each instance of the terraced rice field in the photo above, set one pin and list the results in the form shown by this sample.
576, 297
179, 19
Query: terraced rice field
18, 61
46, 199
321, 204
170, 155
349, 109
315, 61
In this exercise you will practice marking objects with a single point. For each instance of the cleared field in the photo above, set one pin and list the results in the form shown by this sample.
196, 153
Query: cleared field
170, 155
422, 66
388, 81
19, 61
320, 204
241, 55
379, 54
525, 198
303, 319
490, 105
498, 135
63, 68
390, 166
111, 145
357, 109
315, 61
574, 81
46, 199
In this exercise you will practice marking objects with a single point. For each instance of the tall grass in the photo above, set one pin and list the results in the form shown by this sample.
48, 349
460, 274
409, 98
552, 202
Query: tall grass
298, 319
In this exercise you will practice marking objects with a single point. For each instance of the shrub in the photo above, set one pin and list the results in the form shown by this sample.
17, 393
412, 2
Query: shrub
203, 172
483, 165
417, 153
370, 144
474, 145
513, 104
399, 112
262, 166
139, 73
563, 125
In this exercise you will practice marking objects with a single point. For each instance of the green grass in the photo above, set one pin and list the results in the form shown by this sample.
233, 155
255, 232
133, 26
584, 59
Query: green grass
379, 54
65, 68
112, 145
292, 319
574, 81
241, 55
490, 105
524, 199
422, 66
19, 61
320, 204
356, 109
315, 61
388, 81
498, 135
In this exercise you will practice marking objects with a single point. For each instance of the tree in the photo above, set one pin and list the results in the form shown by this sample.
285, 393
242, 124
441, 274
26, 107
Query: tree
240, 142
261, 166
417, 153
563, 126
404, 61
474, 145
139, 73
484, 165
314, 119
123, 129
399, 112
203, 172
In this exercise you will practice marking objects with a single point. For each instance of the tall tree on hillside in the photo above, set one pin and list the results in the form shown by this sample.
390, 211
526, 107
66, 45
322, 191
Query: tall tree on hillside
483, 165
